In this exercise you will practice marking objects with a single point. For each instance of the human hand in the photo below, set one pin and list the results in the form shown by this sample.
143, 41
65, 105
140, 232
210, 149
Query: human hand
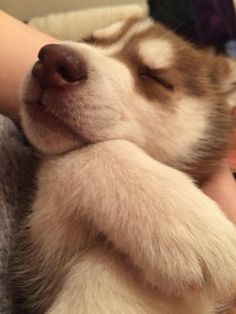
222, 189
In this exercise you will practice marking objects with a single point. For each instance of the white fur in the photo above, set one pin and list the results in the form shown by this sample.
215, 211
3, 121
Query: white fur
120, 293
149, 211
156, 53
179, 123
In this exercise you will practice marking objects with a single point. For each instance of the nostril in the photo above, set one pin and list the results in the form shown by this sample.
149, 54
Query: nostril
63, 72
67, 74
70, 73
41, 54
37, 70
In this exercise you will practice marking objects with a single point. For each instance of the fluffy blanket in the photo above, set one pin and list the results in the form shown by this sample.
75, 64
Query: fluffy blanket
17, 167
75, 25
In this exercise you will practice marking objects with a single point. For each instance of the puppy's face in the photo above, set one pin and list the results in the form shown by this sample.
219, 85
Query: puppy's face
137, 81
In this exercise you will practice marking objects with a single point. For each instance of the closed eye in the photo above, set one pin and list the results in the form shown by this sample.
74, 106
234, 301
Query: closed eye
91, 40
160, 76
88, 40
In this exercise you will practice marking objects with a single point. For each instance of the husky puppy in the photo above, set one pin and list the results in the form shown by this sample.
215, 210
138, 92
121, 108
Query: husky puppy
130, 123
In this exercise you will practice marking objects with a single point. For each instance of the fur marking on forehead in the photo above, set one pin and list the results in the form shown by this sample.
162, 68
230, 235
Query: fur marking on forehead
156, 53
117, 27
134, 30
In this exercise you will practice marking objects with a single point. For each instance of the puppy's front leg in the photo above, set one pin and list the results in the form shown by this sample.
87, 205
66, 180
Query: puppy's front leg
176, 235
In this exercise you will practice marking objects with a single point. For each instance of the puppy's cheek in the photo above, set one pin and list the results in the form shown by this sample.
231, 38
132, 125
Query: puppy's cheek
53, 139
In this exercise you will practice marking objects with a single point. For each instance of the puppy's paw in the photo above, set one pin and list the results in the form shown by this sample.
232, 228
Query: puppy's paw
197, 251
219, 262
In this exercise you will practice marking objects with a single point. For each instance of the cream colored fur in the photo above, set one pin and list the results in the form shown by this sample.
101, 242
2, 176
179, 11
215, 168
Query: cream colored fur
168, 228
149, 49
131, 235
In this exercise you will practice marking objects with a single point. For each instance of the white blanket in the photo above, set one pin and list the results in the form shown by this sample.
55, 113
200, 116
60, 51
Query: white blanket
78, 24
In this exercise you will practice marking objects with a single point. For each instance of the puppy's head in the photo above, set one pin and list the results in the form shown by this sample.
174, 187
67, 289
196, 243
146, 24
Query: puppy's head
137, 81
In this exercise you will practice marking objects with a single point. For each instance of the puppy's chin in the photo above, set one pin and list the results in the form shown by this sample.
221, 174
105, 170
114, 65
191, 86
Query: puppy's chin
46, 133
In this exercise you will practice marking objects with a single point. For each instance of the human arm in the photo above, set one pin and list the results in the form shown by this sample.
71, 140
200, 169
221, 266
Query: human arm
222, 189
19, 48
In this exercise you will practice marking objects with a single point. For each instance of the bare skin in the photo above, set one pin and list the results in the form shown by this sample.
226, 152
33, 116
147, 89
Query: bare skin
222, 189
19, 48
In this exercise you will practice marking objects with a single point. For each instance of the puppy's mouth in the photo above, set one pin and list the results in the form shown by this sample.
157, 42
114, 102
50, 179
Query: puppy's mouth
49, 109
43, 114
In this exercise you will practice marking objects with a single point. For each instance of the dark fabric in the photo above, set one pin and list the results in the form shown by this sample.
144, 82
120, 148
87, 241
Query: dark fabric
176, 14
205, 22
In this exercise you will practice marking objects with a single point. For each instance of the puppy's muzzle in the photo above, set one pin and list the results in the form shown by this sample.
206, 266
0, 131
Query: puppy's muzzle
59, 66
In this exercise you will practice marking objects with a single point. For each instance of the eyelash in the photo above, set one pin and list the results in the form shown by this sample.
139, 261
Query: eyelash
158, 78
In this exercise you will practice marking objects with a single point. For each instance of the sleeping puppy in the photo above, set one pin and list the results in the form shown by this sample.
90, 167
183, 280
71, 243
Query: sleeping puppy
130, 123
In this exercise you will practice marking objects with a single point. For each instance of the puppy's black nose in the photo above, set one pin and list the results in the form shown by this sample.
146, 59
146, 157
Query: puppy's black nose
58, 66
